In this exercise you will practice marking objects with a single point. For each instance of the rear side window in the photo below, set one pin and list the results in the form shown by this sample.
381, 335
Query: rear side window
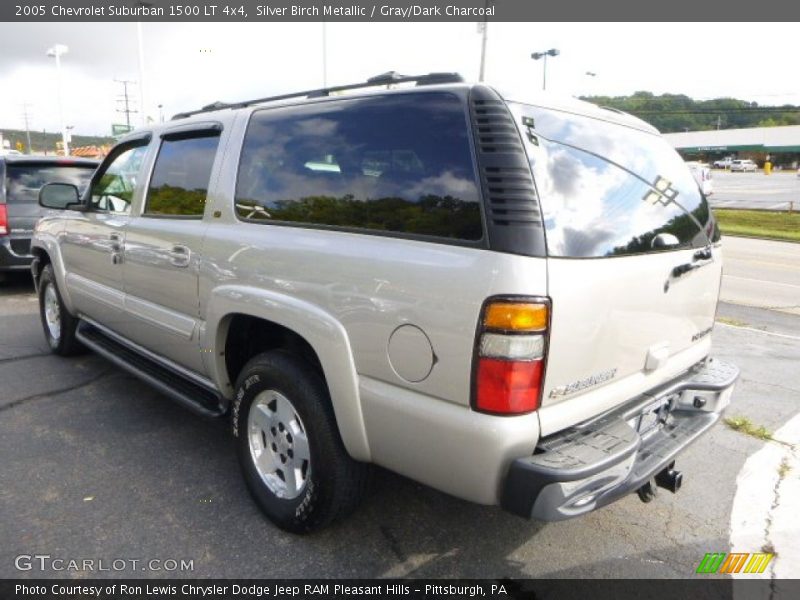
23, 181
609, 190
181, 175
397, 164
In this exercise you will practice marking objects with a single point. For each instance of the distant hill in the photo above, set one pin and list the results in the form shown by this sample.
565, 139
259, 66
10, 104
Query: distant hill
47, 141
677, 112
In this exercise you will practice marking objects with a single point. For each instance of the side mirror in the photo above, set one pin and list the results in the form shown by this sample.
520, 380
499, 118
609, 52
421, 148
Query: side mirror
664, 240
60, 196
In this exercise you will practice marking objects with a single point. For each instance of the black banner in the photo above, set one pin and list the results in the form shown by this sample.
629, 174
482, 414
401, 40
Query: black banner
499, 589
390, 10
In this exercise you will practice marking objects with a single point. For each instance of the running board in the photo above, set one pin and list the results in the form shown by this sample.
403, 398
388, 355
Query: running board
197, 398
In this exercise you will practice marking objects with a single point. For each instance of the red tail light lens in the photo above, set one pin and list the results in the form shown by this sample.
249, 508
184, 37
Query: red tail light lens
3, 220
508, 386
510, 359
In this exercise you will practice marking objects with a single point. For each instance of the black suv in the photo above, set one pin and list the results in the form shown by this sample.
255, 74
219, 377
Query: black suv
21, 177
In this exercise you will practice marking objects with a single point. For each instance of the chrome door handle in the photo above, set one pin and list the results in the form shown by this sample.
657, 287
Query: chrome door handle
180, 255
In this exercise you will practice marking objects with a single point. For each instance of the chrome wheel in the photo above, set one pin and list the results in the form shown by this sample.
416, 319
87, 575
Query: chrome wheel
52, 312
278, 444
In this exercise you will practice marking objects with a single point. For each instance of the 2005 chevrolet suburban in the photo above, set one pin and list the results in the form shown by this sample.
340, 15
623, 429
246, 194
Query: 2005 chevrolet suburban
508, 300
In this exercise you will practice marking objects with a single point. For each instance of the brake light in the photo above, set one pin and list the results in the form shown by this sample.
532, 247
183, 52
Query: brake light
3, 220
511, 352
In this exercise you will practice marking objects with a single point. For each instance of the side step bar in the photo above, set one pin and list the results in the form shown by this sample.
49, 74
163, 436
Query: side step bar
196, 397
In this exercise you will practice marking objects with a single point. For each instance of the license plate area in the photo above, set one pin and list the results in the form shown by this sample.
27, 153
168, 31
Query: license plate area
652, 417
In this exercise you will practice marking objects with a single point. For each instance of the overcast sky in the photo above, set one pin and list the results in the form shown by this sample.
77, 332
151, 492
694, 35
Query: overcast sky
188, 65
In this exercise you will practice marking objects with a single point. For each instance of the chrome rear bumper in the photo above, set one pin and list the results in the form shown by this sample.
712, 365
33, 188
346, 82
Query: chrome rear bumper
597, 462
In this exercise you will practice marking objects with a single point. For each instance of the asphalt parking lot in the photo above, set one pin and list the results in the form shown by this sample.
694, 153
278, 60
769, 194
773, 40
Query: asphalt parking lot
97, 465
756, 190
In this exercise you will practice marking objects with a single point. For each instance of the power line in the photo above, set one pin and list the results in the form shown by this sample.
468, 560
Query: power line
126, 100
713, 111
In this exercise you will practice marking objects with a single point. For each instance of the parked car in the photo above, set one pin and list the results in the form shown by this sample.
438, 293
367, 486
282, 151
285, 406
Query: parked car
745, 165
723, 163
509, 300
702, 175
21, 177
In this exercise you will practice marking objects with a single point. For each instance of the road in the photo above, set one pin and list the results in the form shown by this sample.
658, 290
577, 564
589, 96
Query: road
97, 464
762, 274
755, 190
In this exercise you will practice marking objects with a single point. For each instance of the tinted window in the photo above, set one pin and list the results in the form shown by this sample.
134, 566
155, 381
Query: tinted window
113, 190
608, 190
179, 184
398, 164
24, 181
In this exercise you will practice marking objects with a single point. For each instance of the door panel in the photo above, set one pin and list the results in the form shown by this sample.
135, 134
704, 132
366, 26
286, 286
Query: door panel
93, 240
161, 287
91, 246
162, 248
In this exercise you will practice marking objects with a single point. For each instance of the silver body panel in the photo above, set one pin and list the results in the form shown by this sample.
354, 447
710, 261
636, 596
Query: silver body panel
346, 294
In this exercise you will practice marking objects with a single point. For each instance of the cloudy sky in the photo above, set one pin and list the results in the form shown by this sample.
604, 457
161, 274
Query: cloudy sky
188, 65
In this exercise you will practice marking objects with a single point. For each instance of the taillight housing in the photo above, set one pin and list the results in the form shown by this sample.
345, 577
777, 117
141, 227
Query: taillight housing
3, 220
510, 355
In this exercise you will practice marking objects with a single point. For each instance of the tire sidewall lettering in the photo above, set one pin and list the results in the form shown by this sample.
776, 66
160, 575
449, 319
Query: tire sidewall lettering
237, 403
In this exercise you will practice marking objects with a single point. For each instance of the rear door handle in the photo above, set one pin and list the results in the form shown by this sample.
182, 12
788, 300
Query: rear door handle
116, 247
180, 255
700, 258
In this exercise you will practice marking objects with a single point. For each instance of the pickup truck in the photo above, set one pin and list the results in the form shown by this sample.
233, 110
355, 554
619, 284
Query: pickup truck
723, 163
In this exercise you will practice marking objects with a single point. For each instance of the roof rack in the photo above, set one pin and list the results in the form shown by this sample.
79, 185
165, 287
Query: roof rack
388, 78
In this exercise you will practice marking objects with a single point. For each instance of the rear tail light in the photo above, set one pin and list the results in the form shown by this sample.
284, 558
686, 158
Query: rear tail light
510, 356
3, 220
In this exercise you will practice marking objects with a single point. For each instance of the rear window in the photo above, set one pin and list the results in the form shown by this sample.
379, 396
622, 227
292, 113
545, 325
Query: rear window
397, 164
179, 184
23, 181
609, 190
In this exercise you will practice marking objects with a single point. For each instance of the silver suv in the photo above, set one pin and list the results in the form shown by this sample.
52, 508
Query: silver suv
508, 300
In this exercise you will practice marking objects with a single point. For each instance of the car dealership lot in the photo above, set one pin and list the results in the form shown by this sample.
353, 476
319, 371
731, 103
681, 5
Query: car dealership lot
98, 465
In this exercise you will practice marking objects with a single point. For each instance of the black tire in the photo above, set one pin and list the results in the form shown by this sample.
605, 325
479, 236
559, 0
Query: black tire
65, 343
332, 482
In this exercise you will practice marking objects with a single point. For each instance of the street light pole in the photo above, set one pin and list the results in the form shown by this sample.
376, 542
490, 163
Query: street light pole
324, 54
543, 55
56, 51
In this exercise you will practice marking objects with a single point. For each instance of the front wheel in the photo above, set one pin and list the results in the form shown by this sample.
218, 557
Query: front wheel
58, 324
292, 456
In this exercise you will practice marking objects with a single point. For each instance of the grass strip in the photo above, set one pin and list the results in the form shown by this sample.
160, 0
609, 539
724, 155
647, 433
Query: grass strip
771, 225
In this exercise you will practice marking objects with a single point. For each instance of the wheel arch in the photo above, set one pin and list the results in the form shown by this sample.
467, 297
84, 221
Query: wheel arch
245, 321
46, 251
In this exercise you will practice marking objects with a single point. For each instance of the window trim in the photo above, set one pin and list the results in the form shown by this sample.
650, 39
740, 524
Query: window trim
185, 132
481, 243
138, 141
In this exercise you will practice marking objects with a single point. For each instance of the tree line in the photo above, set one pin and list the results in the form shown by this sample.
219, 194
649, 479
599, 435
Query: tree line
677, 112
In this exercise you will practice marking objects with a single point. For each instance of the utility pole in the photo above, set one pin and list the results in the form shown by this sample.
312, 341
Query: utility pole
719, 121
27, 129
125, 98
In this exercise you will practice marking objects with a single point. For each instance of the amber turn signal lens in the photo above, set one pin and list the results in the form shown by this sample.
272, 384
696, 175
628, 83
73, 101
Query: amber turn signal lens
514, 316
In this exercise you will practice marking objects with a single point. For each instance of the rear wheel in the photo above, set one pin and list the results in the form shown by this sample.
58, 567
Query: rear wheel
292, 456
58, 324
